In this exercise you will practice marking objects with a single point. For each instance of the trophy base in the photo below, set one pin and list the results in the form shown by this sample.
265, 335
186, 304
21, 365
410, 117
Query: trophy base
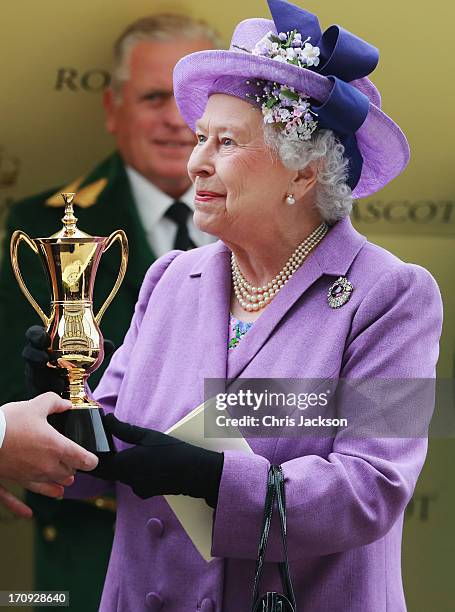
85, 427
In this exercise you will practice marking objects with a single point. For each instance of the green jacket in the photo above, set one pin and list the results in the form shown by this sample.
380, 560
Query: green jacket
73, 539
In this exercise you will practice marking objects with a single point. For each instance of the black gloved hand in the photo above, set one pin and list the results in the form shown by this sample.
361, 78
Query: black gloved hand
160, 464
39, 377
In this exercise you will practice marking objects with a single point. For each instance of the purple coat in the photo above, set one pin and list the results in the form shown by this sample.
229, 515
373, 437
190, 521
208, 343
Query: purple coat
345, 498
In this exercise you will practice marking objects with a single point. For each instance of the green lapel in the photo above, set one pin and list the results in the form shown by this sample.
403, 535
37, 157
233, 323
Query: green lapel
115, 209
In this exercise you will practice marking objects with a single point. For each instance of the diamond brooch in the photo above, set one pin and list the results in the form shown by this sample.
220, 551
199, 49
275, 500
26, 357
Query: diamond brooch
340, 292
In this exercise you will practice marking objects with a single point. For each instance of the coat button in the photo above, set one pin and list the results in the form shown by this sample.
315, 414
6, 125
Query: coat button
153, 601
49, 533
156, 527
207, 605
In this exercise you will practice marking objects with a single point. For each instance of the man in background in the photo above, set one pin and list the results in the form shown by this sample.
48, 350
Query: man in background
143, 188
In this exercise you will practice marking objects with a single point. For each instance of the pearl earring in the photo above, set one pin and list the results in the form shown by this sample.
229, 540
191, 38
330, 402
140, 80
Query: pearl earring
290, 200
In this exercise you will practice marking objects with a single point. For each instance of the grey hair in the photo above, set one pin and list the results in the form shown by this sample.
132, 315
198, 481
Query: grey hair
162, 27
333, 196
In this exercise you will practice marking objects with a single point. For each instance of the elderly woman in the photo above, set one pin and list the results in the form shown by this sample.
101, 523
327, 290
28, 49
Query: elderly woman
289, 131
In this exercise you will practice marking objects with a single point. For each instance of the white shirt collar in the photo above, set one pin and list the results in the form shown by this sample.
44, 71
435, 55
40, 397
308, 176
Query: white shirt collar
151, 202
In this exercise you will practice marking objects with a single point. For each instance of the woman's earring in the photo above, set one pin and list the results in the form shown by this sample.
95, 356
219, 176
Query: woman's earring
290, 200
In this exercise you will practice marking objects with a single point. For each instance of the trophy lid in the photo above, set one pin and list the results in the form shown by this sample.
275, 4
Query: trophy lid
69, 229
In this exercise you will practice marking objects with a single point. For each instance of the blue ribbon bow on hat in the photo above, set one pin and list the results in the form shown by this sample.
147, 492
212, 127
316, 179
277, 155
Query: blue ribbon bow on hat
344, 57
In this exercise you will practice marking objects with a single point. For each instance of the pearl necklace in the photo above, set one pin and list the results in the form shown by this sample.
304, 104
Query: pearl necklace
254, 298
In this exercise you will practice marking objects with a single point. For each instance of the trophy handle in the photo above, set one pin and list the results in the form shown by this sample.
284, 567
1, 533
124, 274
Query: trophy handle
16, 239
121, 237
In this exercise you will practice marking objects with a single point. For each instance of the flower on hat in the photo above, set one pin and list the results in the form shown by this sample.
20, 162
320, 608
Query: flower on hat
288, 109
310, 54
288, 47
281, 104
265, 46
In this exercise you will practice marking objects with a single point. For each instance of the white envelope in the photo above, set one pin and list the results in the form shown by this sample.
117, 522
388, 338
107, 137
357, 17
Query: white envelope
195, 516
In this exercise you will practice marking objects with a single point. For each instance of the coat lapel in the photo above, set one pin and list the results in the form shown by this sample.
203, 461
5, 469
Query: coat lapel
141, 255
213, 276
332, 257
263, 327
120, 213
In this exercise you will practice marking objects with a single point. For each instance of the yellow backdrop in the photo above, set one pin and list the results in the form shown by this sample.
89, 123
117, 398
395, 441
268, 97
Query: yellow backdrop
55, 61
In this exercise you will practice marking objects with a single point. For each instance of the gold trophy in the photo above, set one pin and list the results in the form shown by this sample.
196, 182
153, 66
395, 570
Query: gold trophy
70, 258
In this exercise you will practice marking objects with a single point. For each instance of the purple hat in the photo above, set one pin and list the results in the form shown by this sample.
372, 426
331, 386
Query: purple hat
330, 72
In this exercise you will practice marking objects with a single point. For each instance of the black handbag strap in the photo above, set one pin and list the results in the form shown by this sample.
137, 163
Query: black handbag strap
284, 566
266, 521
275, 490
